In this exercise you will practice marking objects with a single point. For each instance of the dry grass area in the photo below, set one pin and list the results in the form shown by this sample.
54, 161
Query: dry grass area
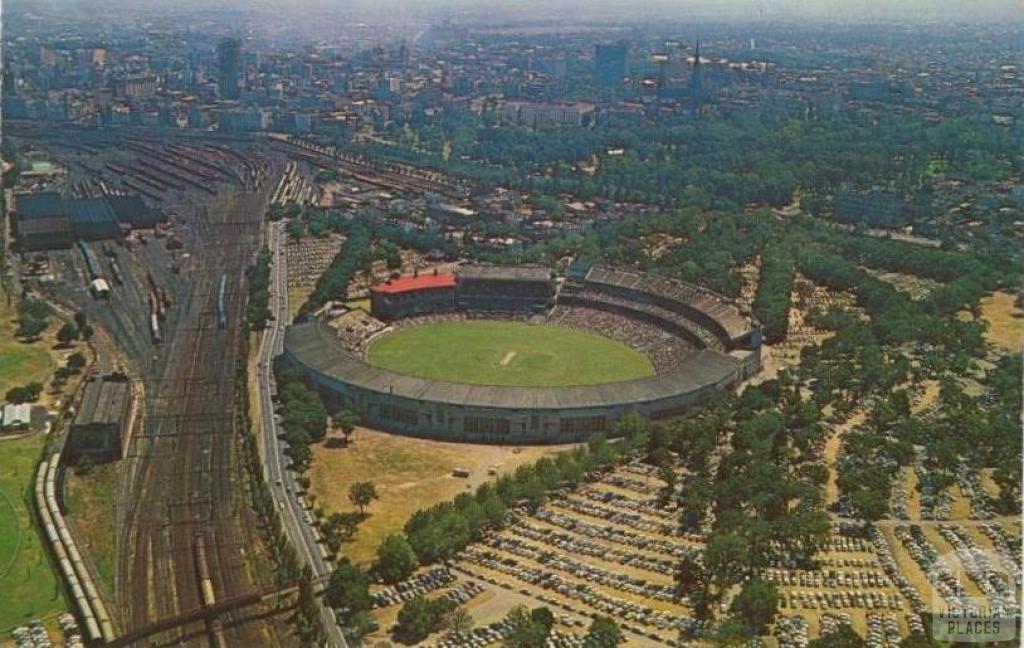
409, 474
914, 286
1005, 321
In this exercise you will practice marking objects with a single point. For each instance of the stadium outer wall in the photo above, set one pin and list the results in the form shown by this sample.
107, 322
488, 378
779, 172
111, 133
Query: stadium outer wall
501, 415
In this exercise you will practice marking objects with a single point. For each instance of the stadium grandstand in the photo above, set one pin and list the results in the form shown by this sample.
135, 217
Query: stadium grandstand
697, 342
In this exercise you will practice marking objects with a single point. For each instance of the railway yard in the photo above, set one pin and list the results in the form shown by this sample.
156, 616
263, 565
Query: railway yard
175, 309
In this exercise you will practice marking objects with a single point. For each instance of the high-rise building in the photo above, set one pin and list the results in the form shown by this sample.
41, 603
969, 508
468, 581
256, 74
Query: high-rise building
228, 58
611, 63
697, 80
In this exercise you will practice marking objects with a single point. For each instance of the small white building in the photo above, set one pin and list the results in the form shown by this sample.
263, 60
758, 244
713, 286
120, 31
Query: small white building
15, 417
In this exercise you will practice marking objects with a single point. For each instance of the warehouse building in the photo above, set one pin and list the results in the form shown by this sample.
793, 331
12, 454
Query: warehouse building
133, 211
41, 222
92, 219
98, 430
46, 221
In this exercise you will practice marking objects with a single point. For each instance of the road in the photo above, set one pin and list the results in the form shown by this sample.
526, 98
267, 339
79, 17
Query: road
281, 480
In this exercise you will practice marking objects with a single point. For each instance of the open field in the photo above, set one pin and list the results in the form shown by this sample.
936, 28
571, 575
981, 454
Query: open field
28, 587
1005, 321
507, 353
409, 473
90, 505
20, 363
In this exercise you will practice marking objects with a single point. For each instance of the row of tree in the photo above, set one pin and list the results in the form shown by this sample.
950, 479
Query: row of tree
772, 300
257, 308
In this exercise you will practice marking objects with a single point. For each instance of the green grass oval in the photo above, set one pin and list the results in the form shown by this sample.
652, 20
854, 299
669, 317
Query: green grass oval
509, 354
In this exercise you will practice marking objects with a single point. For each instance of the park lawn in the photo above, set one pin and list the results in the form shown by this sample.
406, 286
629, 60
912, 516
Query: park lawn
409, 474
28, 585
90, 505
503, 353
20, 363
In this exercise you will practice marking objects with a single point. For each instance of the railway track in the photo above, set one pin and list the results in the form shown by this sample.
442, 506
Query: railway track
184, 489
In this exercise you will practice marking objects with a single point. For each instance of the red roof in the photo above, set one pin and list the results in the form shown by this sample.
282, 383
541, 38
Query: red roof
411, 284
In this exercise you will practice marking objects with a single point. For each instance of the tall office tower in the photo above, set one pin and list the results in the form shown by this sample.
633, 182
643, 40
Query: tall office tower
228, 58
697, 80
611, 63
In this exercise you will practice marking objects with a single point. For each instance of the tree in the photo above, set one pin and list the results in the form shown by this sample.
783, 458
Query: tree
869, 504
30, 327
603, 633
347, 420
421, 616
75, 362
301, 456
361, 494
26, 394
361, 624
458, 621
543, 616
843, 637
67, 334
524, 631
395, 558
756, 605
348, 586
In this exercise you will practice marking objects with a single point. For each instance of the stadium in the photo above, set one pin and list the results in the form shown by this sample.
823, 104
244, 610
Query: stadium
516, 355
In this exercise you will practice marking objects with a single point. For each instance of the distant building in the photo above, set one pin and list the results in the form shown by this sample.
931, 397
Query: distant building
248, 119
539, 115
611, 63
98, 430
135, 87
228, 60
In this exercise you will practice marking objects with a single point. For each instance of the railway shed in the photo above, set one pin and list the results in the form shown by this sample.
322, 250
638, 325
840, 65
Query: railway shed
98, 429
92, 219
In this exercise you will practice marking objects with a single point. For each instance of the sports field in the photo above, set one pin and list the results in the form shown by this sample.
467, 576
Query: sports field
488, 352
28, 587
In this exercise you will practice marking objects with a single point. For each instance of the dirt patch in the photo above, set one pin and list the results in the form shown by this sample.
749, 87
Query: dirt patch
507, 358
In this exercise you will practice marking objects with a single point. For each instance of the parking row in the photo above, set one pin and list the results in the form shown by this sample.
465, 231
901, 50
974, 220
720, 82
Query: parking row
613, 534
575, 544
893, 571
628, 613
411, 588
584, 571
855, 599
830, 578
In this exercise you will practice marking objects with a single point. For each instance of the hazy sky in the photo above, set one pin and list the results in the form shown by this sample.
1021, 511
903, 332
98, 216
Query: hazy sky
583, 10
